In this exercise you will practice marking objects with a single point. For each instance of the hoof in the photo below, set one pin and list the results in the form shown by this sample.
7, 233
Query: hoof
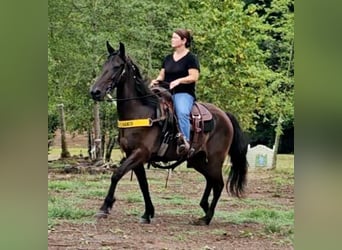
144, 221
200, 222
101, 215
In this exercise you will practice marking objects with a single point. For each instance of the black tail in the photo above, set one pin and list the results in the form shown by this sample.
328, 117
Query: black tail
237, 178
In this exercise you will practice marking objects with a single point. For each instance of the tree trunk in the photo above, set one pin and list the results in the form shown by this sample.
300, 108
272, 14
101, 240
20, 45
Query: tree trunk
103, 144
65, 153
278, 131
90, 143
110, 146
97, 126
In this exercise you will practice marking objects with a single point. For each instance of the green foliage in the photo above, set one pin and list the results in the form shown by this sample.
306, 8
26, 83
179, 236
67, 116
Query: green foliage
246, 52
279, 44
53, 123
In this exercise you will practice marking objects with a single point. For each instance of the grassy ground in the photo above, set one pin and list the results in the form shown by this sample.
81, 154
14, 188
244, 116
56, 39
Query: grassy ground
55, 153
74, 199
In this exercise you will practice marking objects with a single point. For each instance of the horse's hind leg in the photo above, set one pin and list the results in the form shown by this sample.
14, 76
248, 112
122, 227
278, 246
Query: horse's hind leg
200, 165
213, 175
204, 201
149, 209
218, 185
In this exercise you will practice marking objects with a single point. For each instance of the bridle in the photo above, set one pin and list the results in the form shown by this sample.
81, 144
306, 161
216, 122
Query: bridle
116, 78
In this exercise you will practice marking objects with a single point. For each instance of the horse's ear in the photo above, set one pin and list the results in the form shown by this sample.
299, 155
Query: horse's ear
122, 50
109, 48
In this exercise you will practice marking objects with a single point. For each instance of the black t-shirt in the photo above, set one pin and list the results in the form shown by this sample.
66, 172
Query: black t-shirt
177, 69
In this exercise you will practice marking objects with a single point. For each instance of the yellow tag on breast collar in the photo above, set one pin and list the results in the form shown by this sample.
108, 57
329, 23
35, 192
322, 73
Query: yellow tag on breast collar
135, 123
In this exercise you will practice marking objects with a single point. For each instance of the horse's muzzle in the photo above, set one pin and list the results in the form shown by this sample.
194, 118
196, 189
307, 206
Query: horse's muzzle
96, 94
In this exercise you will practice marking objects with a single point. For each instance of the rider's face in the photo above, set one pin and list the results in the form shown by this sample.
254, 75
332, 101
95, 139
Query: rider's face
177, 41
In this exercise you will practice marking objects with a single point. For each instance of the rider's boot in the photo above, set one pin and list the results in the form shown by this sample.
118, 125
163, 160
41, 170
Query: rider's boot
183, 145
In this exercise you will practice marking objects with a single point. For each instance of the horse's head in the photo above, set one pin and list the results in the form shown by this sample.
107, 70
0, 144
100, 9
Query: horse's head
112, 72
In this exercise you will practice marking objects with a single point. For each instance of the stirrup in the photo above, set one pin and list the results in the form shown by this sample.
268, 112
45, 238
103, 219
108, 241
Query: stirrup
191, 152
183, 148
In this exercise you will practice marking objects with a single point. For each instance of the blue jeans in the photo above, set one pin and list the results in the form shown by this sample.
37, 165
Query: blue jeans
183, 104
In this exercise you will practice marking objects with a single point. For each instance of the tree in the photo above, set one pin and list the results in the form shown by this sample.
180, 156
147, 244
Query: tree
233, 72
242, 62
280, 43
74, 45
53, 124
65, 152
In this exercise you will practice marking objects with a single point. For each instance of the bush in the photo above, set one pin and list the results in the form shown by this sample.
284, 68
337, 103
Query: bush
53, 123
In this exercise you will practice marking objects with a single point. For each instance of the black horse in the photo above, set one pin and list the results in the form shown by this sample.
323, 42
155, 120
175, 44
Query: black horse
136, 103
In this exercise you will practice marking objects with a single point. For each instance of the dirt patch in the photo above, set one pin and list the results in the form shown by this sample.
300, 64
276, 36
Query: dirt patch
72, 139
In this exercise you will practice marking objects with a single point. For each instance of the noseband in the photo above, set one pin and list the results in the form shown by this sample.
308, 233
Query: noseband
116, 80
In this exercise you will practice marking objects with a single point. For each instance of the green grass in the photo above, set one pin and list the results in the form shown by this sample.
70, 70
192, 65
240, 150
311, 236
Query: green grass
283, 175
68, 198
56, 165
133, 211
69, 212
218, 231
81, 182
133, 197
275, 218
63, 185
273, 221
285, 162
60, 208
191, 211
55, 153
255, 203
173, 199
90, 194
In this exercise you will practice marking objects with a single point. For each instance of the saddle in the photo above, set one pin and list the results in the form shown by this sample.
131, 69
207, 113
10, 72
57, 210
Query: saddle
201, 120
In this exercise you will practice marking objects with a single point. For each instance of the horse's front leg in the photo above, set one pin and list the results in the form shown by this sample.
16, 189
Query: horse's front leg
149, 209
133, 160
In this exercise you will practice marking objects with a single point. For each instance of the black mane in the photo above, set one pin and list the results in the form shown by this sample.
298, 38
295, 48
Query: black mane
147, 96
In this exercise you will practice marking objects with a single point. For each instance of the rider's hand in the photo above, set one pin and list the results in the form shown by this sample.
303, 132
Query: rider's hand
154, 83
174, 83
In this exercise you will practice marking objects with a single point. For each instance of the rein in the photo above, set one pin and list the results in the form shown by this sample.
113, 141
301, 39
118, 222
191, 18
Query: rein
112, 99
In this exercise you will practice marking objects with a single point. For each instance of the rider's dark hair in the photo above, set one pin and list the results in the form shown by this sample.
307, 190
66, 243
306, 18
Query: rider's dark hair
184, 33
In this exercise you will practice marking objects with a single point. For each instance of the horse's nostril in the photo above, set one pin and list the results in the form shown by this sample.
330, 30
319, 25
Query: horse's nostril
95, 93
